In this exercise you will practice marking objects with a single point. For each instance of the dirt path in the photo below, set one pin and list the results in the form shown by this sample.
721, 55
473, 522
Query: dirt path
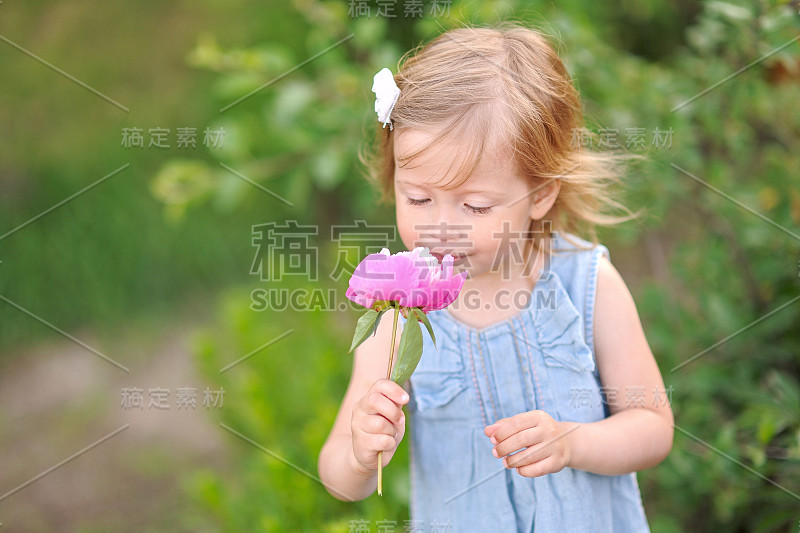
57, 399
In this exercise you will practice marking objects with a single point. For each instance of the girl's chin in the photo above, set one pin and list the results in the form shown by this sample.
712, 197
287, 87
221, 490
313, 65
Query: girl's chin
462, 266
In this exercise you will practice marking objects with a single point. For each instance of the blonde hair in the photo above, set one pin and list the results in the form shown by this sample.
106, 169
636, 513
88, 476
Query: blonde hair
504, 86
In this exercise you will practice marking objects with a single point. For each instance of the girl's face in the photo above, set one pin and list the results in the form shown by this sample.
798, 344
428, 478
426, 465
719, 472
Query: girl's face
482, 223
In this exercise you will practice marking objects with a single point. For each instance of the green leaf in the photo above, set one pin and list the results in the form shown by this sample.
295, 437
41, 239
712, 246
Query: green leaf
424, 319
181, 181
366, 326
410, 350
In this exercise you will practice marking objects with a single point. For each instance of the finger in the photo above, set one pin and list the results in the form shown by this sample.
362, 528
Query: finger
527, 456
391, 390
379, 404
491, 428
378, 425
539, 468
515, 424
401, 423
524, 439
370, 445
379, 443
401, 431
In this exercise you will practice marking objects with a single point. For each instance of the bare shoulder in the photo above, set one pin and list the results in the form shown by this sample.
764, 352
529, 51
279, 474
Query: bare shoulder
613, 296
618, 333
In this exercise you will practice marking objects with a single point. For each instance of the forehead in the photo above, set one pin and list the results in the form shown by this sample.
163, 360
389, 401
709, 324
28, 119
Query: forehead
423, 159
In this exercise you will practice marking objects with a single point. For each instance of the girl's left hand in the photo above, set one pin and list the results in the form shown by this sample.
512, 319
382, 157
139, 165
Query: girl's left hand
546, 443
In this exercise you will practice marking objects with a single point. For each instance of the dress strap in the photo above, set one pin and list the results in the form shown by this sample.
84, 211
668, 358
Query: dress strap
590, 293
577, 264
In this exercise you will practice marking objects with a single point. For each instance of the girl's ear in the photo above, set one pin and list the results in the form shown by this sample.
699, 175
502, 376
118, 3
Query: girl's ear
544, 199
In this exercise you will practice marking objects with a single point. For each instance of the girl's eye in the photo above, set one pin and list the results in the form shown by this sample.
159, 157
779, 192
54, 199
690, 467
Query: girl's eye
478, 210
472, 209
412, 201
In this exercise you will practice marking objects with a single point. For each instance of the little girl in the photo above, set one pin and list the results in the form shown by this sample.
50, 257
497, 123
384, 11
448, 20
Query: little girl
541, 398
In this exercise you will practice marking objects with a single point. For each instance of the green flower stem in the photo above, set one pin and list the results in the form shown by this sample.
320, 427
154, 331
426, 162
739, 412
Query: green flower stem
388, 375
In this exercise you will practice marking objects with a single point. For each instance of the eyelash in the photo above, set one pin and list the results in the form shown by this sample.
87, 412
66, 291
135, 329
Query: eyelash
476, 210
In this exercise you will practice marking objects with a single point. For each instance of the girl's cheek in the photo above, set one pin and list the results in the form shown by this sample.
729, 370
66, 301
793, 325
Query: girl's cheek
405, 227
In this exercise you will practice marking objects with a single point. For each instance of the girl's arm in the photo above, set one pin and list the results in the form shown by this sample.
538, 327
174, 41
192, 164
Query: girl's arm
341, 473
639, 432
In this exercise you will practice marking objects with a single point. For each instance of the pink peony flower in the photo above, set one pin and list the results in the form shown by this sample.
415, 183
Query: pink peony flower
412, 282
412, 279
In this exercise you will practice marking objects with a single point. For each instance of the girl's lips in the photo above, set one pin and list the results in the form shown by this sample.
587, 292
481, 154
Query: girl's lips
456, 258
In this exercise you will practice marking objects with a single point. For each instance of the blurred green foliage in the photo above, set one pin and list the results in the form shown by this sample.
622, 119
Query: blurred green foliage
718, 267
281, 402
112, 252
163, 227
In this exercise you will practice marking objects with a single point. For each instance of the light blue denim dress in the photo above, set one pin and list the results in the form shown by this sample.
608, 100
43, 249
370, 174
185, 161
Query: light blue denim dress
542, 358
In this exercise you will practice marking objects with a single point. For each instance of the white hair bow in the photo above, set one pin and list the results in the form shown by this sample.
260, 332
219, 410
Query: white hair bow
386, 95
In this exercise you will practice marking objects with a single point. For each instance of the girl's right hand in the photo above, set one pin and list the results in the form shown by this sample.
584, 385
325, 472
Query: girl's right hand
378, 423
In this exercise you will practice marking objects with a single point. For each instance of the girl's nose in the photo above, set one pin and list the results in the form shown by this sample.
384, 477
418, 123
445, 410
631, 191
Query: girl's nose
448, 218
443, 231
